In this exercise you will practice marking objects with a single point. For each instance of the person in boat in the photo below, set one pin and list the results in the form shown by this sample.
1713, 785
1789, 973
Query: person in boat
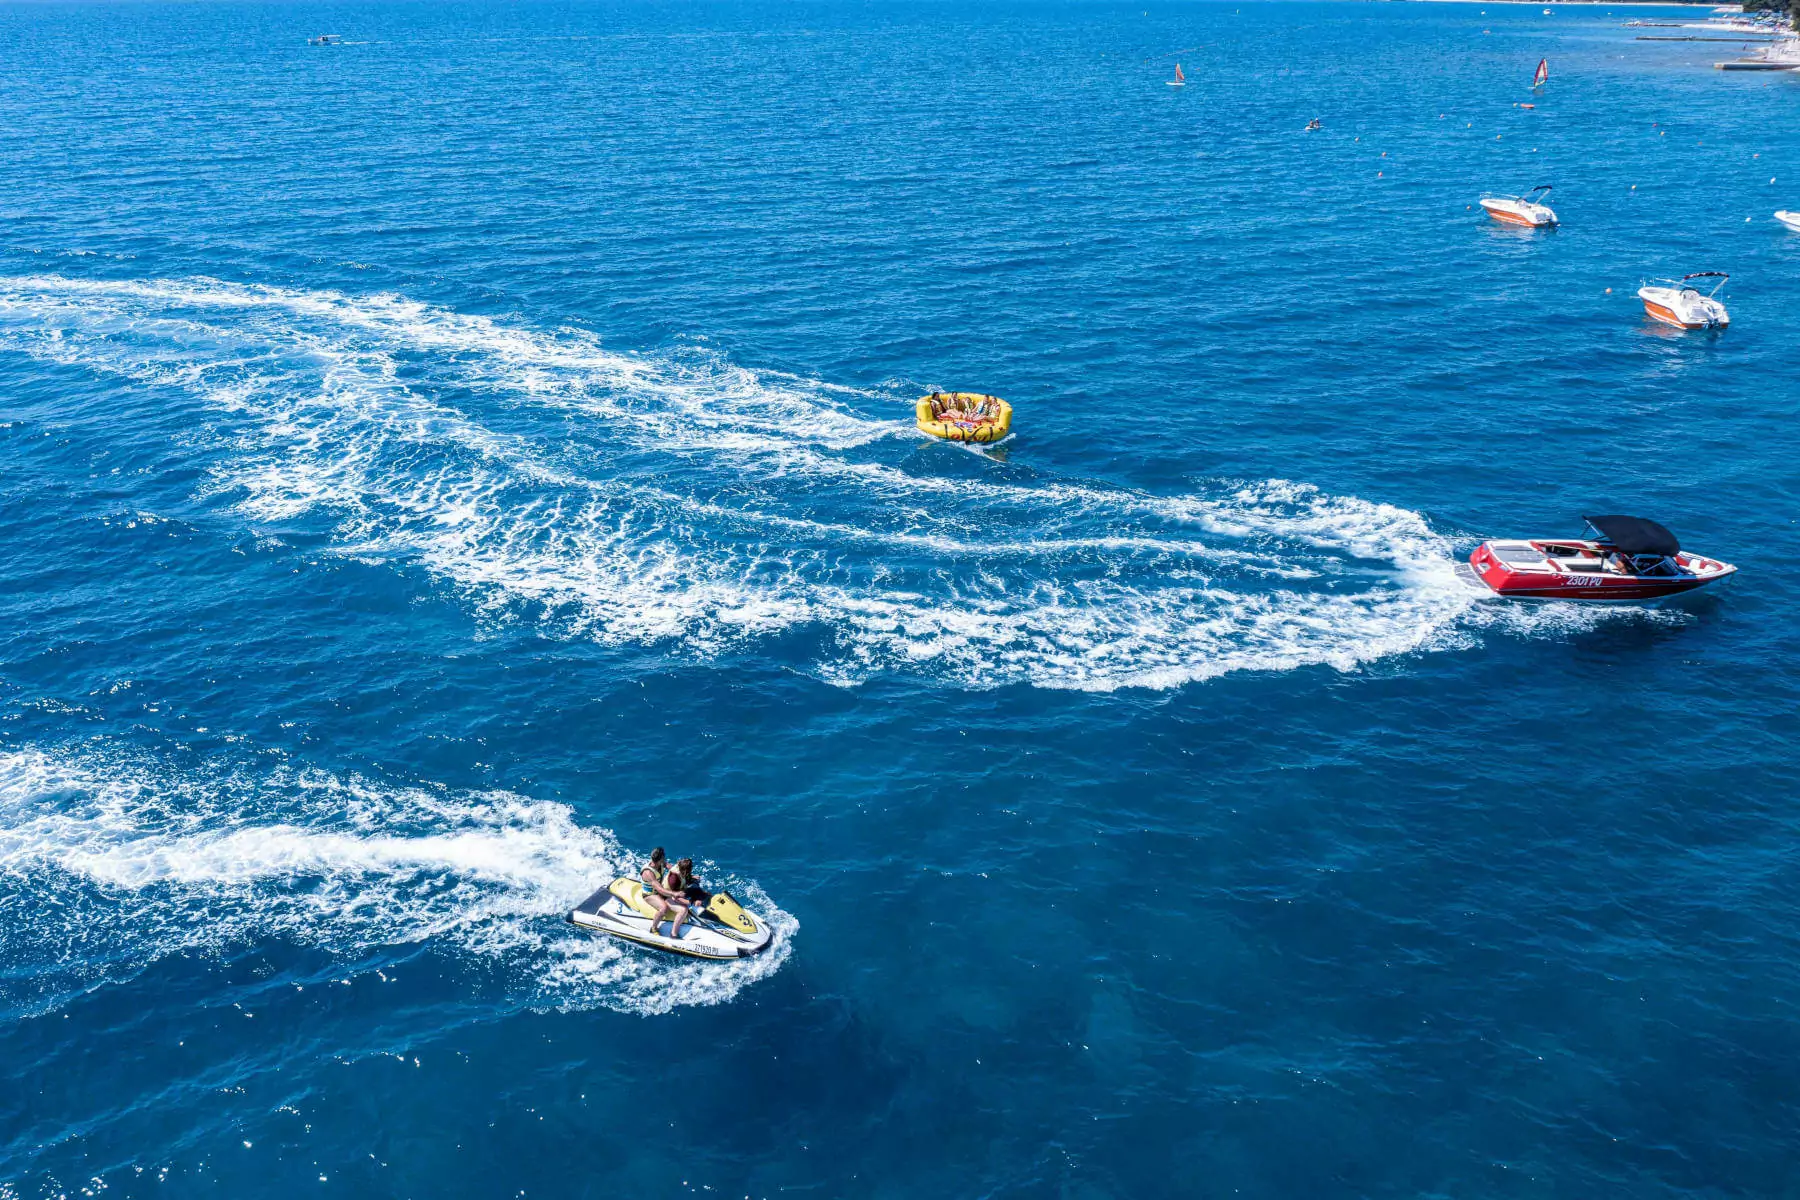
962, 411
682, 879
665, 901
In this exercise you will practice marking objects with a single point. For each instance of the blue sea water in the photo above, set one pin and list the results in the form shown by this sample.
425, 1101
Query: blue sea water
440, 467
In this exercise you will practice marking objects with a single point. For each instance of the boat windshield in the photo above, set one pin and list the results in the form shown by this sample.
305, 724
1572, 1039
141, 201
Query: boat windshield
1652, 564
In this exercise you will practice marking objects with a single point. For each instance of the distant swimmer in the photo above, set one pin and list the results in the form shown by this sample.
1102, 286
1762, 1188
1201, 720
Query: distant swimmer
1312, 126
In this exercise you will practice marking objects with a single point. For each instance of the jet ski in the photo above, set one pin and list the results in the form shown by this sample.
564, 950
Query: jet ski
720, 928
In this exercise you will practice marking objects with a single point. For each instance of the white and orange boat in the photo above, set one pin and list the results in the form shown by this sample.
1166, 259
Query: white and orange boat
1679, 303
1628, 560
1528, 209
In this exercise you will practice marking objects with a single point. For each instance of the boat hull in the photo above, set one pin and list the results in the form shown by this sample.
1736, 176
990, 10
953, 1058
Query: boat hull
1669, 316
1552, 588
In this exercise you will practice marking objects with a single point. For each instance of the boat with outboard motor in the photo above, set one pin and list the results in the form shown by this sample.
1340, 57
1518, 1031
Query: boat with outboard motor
1679, 303
1528, 209
719, 928
1628, 560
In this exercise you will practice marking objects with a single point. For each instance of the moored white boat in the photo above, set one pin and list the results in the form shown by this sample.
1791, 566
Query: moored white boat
1528, 209
1679, 303
1790, 219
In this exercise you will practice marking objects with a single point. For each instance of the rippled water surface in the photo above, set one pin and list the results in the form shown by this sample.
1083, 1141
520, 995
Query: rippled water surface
438, 468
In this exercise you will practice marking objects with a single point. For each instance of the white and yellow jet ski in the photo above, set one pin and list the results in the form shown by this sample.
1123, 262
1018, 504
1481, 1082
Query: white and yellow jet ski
719, 929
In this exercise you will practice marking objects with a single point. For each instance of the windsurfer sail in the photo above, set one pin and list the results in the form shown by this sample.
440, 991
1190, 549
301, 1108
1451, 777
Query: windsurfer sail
1180, 80
1543, 73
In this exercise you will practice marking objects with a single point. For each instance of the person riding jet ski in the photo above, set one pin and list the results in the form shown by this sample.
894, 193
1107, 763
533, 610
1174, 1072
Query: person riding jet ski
696, 896
636, 909
664, 891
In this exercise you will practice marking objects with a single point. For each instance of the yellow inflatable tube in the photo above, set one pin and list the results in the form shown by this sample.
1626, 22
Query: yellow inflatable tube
965, 416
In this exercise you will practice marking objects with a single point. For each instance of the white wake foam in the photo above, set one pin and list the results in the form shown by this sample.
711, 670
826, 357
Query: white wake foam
107, 864
686, 501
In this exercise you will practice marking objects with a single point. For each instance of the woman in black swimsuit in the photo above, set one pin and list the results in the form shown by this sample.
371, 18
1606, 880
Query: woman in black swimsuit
690, 888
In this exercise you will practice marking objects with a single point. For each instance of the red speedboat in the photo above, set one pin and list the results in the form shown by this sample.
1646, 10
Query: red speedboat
1629, 559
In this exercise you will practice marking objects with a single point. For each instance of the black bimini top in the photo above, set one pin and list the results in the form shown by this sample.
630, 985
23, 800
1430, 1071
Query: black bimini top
1636, 535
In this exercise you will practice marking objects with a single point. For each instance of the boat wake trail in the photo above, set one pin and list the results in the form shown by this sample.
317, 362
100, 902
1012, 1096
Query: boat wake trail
686, 502
108, 864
